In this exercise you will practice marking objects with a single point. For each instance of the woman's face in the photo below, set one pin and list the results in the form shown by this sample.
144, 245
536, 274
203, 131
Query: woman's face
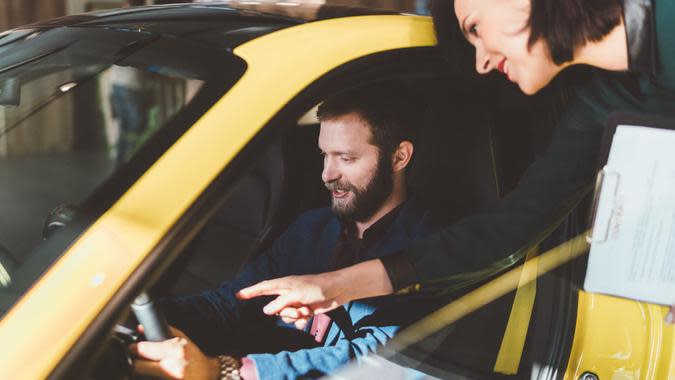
499, 32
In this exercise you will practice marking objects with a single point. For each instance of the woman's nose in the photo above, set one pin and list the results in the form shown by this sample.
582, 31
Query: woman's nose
483, 64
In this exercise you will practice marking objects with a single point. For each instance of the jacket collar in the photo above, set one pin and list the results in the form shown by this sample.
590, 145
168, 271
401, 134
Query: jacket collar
640, 36
412, 222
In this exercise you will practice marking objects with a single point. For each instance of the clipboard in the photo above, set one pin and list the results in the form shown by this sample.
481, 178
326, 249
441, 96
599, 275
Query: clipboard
633, 219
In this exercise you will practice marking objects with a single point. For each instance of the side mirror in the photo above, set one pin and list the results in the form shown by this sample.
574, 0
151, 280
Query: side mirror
10, 92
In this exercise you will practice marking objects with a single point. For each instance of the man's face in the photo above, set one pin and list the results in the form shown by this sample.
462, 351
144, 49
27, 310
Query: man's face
359, 178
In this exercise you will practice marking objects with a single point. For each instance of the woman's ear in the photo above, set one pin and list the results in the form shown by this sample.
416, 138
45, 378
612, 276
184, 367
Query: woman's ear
402, 155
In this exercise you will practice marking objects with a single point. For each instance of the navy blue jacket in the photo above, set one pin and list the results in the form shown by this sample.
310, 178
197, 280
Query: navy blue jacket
218, 322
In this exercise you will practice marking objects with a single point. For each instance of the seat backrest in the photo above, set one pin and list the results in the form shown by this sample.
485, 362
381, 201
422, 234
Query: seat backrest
237, 229
454, 169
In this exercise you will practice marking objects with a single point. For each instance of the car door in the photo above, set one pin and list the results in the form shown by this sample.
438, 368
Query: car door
109, 257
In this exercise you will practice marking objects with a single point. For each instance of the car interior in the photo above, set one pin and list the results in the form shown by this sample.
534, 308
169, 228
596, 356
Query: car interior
463, 164
285, 180
474, 142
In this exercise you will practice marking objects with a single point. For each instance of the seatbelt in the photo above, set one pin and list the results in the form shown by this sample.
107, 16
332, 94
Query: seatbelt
486, 293
513, 341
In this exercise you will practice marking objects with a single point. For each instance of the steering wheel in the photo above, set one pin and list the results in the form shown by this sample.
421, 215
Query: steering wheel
116, 361
155, 327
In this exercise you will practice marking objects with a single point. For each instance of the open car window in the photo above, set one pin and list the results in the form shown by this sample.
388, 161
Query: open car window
453, 174
82, 112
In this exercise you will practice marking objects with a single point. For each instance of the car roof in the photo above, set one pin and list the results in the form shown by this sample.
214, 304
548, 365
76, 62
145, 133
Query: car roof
213, 11
206, 22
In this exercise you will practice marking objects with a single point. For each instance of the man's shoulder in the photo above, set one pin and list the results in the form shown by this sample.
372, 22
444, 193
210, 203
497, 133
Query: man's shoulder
316, 215
314, 219
416, 217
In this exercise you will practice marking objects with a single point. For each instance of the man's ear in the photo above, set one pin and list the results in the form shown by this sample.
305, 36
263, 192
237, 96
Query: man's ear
402, 155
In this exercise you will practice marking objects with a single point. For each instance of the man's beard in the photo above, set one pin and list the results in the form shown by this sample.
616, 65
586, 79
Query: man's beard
365, 201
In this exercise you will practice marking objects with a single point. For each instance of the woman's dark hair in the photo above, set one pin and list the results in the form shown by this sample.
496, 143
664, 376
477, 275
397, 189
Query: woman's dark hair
389, 108
564, 25
454, 47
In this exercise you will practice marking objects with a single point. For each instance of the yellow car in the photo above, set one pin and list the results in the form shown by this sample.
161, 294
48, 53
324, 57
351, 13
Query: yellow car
157, 148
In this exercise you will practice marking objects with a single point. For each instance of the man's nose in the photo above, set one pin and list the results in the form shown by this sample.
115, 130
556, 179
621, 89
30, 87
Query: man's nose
483, 61
330, 172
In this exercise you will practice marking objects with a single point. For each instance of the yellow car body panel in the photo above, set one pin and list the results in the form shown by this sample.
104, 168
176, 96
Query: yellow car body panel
620, 339
43, 326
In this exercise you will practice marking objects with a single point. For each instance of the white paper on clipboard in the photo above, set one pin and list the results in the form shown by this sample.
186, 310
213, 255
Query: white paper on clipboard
633, 244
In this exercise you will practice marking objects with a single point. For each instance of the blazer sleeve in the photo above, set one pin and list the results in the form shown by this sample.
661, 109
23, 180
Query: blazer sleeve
493, 240
212, 316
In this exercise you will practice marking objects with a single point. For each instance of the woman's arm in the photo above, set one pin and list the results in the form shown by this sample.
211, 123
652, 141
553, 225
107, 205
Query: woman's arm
299, 297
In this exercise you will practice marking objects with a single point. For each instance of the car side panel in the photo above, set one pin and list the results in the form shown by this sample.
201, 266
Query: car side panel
621, 339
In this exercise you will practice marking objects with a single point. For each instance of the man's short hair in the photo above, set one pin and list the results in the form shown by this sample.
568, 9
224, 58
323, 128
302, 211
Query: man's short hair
388, 108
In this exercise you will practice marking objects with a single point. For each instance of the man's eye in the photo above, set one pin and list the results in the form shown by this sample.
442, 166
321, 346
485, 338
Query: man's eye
346, 159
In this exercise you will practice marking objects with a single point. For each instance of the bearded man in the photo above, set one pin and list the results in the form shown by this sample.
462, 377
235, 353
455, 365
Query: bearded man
366, 143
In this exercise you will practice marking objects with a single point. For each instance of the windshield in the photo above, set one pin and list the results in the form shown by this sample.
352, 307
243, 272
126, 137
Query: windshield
81, 110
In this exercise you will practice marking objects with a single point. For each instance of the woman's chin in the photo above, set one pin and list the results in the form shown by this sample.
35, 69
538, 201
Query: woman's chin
530, 88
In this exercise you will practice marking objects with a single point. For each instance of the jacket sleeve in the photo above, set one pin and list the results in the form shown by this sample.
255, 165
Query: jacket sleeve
316, 362
211, 317
486, 243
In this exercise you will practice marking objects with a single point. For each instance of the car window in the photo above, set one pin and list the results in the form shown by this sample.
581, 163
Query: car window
453, 175
77, 105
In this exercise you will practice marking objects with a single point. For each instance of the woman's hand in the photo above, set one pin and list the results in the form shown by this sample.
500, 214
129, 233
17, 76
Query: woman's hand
176, 358
300, 297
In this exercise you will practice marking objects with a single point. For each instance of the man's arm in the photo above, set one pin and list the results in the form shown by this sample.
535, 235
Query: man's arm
378, 321
180, 358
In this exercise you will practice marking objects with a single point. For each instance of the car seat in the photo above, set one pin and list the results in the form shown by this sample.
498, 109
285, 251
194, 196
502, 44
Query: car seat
237, 229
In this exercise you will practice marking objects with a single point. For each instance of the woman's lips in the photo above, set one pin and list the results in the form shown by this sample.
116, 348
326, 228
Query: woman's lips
503, 68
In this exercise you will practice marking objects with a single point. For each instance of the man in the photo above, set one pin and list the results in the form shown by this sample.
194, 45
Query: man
366, 146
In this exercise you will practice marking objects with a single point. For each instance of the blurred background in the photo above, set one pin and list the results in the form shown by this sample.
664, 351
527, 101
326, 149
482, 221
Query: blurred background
73, 122
14, 13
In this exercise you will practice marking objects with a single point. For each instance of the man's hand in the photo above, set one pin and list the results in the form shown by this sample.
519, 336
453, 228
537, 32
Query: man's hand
300, 297
670, 317
176, 358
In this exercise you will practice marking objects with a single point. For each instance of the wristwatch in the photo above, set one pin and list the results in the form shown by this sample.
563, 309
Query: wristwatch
229, 367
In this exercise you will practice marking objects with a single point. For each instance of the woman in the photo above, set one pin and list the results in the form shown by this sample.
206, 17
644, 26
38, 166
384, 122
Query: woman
631, 43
